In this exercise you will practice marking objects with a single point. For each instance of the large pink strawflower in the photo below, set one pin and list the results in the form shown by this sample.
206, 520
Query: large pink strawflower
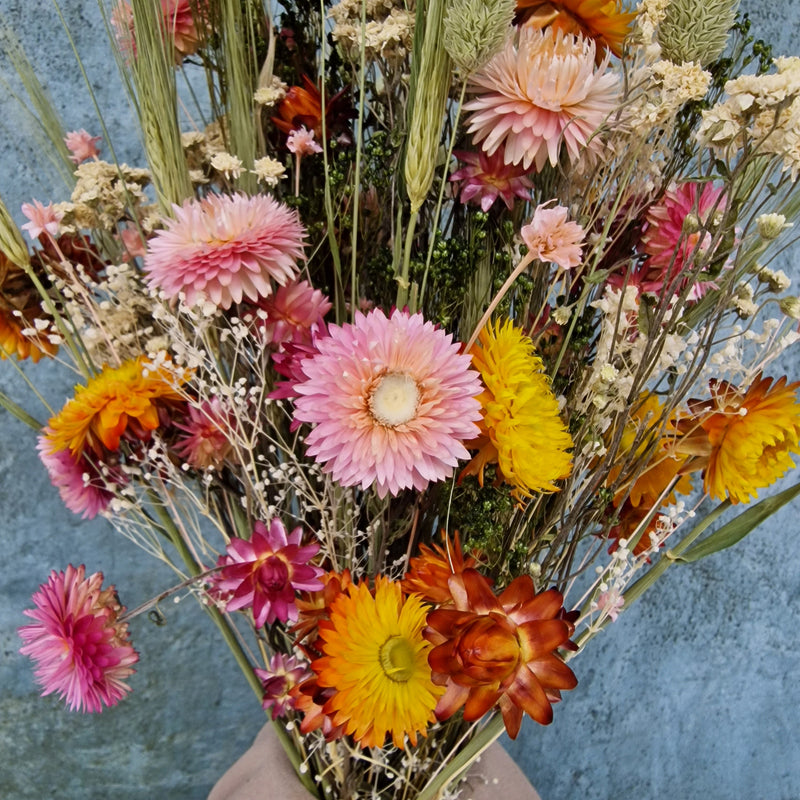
225, 248
540, 93
392, 401
78, 641
265, 572
291, 312
81, 486
485, 177
551, 238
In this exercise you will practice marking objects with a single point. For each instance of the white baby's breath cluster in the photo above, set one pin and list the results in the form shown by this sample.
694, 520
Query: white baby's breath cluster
667, 87
387, 34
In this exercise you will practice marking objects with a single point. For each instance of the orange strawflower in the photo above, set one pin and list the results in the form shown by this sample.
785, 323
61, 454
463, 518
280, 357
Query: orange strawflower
121, 400
604, 21
501, 651
302, 107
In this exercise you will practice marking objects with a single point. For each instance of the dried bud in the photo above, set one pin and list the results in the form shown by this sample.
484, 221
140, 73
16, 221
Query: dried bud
790, 306
476, 30
770, 226
696, 30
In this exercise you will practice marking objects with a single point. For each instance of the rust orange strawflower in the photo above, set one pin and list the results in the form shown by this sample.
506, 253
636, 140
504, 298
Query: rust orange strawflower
500, 651
604, 21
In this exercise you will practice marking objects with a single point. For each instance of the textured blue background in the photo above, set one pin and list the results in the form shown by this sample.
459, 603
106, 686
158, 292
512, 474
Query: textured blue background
692, 694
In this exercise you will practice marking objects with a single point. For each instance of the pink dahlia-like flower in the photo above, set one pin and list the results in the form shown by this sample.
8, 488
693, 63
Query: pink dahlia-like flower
82, 488
550, 237
177, 18
82, 145
541, 92
205, 439
678, 229
284, 673
78, 641
265, 572
288, 362
392, 401
43, 219
301, 142
225, 248
486, 177
292, 311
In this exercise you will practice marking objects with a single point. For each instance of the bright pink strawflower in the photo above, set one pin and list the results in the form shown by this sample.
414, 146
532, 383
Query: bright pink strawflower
550, 237
225, 248
265, 572
486, 177
291, 312
284, 673
82, 488
540, 93
288, 362
205, 440
78, 641
82, 145
392, 401
43, 219
677, 232
301, 142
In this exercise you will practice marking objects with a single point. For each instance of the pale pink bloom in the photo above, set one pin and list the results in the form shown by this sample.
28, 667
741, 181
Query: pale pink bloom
283, 674
134, 243
82, 145
265, 572
541, 92
301, 142
486, 177
225, 248
80, 484
177, 17
205, 440
78, 642
43, 219
392, 401
550, 237
291, 312
611, 602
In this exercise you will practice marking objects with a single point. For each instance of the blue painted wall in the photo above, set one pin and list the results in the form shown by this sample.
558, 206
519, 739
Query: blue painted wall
692, 694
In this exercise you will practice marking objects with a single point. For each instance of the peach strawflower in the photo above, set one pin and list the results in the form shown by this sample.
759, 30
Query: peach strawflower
225, 248
119, 401
485, 177
743, 439
82, 145
43, 219
539, 96
78, 642
177, 16
392, 401
500, 651
604, 21
301, 142
551, 238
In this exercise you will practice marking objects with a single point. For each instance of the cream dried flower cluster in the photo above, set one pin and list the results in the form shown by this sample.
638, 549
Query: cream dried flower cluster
667, 88
388, 33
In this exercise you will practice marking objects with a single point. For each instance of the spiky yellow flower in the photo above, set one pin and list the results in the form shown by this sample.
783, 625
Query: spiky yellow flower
113, 402
376, 661
744, 439
601, 20
521, 430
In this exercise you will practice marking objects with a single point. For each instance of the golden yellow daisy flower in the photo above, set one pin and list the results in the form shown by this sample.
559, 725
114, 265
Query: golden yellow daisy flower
521, 430
114, 401
744, 439
377, 662
601, 20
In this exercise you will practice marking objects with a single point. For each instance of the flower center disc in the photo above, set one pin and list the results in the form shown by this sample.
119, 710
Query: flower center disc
394, 400
397, 659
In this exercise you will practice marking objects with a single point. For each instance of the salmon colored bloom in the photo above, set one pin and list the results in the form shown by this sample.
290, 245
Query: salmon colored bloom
265, 572
743, 440
118, 401
41, 219
521, 429
78, 642
500, 651
604, 21
82, 145
376, 662
539, 96
551, 238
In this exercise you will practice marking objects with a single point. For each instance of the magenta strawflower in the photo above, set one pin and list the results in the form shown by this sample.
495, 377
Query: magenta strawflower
284, 673
225, 248
392, 401
81, 486
540, 94
291, 312
78, 641
485, 177
82, 145
265, 572
205, 438
551, 238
